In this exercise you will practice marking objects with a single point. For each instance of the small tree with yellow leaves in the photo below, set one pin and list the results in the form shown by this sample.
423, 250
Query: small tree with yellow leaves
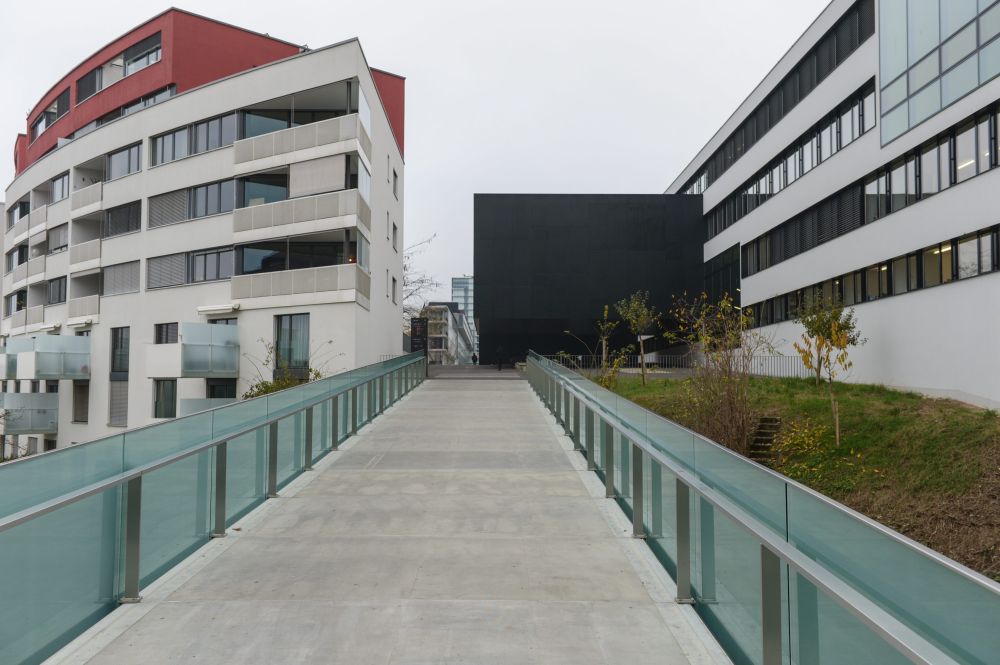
830, 330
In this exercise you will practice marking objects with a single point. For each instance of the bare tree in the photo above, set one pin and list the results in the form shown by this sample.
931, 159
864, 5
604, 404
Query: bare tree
417, 283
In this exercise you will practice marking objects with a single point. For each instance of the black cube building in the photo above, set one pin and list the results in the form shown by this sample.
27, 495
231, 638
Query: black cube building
548, 263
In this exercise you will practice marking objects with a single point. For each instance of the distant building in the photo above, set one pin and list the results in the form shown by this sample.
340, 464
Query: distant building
462, 293
449, 335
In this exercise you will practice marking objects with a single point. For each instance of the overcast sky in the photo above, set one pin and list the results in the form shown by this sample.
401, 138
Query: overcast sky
560, 96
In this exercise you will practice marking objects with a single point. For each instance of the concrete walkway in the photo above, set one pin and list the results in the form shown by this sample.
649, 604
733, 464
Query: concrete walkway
457, 528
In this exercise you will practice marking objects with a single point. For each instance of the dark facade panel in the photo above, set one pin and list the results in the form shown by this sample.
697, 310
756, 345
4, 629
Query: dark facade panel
547, 263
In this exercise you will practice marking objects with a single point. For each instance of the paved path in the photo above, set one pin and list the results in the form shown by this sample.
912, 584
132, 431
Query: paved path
455, 529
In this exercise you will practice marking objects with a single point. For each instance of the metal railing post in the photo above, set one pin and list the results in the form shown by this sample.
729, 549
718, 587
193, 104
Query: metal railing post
577, 442
133, 530
707, 531
589, 418
335, 425
807, 611
219, 530
683, 544
770, 606
272, 460
370, 391
608, 441
309, 439
354, 411
656, 496
638, 530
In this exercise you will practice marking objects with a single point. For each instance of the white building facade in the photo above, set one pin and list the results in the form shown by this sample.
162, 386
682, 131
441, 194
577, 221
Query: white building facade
863, 167
155, 261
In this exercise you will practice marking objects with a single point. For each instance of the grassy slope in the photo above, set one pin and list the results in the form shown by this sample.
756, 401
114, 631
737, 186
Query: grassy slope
929, 468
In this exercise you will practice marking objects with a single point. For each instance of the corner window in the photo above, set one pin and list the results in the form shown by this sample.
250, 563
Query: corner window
56, 110
139, 56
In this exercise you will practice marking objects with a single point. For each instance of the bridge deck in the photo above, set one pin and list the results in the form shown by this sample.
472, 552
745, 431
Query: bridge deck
457, 528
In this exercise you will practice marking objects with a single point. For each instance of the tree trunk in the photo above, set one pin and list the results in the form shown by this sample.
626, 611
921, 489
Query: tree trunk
604, 353
835, 408
642, 361
818, 368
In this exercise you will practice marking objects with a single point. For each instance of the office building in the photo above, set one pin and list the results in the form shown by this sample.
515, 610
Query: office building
462, 292
864, 167
188, 197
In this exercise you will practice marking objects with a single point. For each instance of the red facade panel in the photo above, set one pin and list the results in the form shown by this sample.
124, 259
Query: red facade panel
392, 90
195, 51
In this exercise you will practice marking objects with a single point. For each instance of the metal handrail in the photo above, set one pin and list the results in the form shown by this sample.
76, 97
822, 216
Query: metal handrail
132, 477
892, 630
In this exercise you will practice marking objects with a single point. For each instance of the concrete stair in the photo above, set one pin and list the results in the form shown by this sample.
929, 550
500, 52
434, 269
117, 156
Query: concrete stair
762, 443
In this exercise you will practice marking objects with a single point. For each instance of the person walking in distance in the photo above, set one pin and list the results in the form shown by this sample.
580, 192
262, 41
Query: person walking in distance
499, 358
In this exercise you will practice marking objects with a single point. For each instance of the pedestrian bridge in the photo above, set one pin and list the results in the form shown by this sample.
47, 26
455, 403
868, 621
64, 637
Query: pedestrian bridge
379, 517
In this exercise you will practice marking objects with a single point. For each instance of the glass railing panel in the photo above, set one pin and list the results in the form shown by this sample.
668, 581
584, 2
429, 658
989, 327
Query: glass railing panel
821, 631
923, 590
344, 415
176, 513
190, 405
623, 470
33, 480
661, 514
239, 416
246, 473
322, 422
60, 575
291, 447
149, 444
672, 440
725, 578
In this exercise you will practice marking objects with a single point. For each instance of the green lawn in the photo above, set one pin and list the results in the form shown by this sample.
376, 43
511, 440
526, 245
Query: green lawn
927, 467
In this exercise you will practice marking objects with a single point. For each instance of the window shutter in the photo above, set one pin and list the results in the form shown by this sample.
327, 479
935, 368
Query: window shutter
81, 401
170, 270
168, 208
122, 278
118, 403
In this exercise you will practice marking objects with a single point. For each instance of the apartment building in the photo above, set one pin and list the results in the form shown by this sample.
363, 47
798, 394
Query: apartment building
190, 200
864, 167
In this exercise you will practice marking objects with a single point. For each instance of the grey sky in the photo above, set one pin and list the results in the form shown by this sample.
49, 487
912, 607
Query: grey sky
502, 96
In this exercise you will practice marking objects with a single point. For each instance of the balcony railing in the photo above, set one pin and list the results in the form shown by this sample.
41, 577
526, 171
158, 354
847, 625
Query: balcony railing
38, 218
306, 209
202, 350
82, 198
304, 280
763, 559
85, 306
75, 517
35, 315
312, 135
36, 266
29, 413
185, 407
20, 272
85, 251
50, 357
20, 227
19, 319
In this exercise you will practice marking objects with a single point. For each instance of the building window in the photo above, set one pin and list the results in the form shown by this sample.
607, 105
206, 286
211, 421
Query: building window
170, 270
164, 398
124, 162
265, 188
395, 184
122, 219
142, 55
211, 199
165, 333
17, 212
965, 153
58, 108
364, 181
170, 146
194, 139
119, 350
16, 257
15, 302
60, 187
291, 341
121, 278
220, 388
51, 386
394, 291
395, 237
50, 444
88, 85
211, 264
58, 238
223, 322
57, 291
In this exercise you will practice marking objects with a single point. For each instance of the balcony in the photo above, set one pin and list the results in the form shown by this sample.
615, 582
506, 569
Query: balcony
312, 137
36, 315
202, 350
36, 268
48, 357
87, 200
19, 273
29, 413
83, 253
307, 214
342, 278
85, 306
17, 232
19, 319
